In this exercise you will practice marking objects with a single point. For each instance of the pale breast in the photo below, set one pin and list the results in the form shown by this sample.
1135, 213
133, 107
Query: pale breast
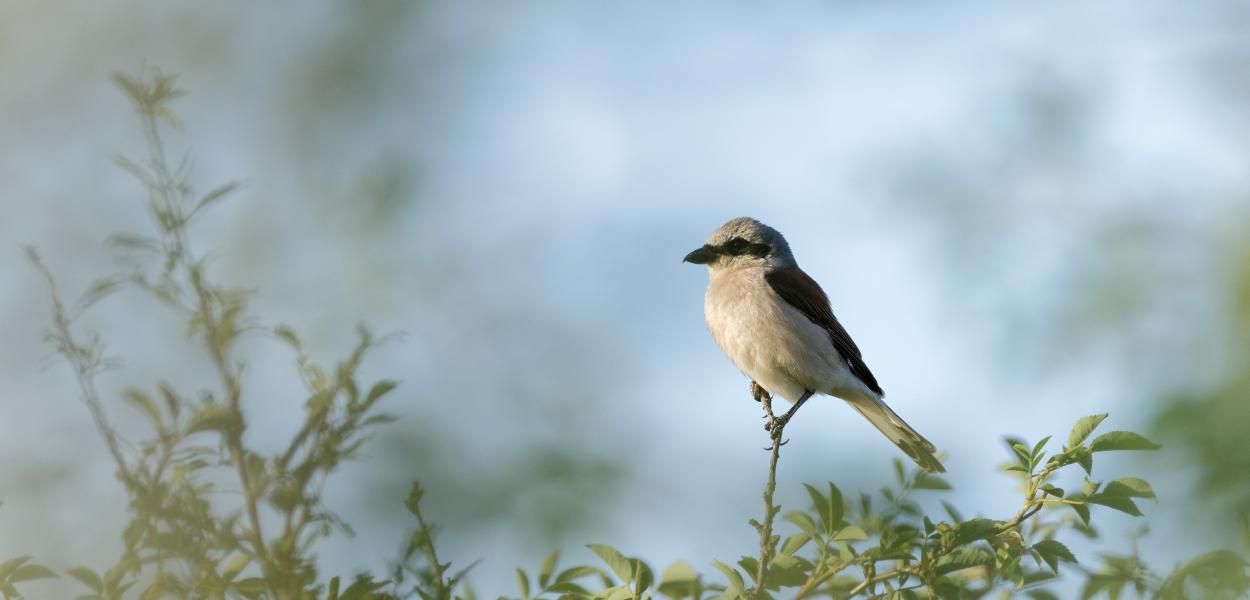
767, 339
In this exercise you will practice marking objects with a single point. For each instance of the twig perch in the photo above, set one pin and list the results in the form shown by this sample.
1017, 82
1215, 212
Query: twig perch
768, 541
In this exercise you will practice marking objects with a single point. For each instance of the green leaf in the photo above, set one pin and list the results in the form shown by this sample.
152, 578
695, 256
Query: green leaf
288, 335
1123, 504
548, 567
211, 417
795, 542
31, 571
787, 571
1121, 440
380, 389
1086, 459
736, 584
88, 578
1130, 487
216, 194
850, 533
615, 561
974, 529
837, 508
829, 507
1083, 427
8, 566
750, 565
925, 481
803, 521
235, 566
413, 502
523, 583
145, 405
1037, 448
1052, 551
964, 557
1082, 511
620, 592
678, 572
574, 573
643, 575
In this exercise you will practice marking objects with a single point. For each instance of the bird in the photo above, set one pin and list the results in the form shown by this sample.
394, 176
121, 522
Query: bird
775, 324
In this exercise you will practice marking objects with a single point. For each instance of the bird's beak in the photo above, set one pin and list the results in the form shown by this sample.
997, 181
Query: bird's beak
701, 256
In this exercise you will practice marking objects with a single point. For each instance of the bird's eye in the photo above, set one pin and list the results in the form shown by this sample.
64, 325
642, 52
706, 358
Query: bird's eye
736, 246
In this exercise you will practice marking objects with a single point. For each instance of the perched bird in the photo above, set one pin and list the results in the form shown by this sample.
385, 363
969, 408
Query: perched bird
775, 324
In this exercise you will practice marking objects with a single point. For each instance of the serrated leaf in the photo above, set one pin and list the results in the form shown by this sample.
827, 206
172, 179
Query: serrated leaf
1123, 504
1052, 551
548, 567
1083, 427
1121, 440
1082, 511
1086, 460
974, 529
615, 561
1131, 487
1037, 448
964, 557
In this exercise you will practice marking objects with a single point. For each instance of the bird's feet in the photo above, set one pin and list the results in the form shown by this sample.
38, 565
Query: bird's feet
758, 392
776, 424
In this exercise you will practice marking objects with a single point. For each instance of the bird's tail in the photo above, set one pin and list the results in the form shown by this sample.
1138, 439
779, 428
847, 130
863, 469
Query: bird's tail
894, 427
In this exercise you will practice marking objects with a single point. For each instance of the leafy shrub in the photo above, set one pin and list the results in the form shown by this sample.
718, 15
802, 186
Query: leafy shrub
185, 540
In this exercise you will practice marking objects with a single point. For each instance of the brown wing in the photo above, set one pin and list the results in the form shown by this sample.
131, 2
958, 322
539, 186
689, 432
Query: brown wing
804, 294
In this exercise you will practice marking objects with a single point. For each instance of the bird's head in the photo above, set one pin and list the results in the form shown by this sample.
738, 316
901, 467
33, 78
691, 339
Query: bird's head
743, 242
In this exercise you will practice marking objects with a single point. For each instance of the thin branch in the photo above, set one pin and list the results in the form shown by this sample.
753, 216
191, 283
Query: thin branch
768, 541
86, 363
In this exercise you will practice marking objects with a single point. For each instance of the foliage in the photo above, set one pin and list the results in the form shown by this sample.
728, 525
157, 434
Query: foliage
186, 539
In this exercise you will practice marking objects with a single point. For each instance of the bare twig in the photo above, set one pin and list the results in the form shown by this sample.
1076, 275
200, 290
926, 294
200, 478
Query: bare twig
768, 541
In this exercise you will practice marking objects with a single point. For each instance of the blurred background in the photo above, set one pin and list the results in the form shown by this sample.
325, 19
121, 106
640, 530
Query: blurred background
1023, 214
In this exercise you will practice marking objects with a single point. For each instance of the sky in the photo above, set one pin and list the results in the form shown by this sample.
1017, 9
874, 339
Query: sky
513, 186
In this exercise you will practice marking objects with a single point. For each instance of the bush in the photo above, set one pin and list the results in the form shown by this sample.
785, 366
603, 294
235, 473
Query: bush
185, 540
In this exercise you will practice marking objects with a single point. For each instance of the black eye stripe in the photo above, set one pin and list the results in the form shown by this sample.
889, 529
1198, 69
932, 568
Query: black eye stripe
738, 246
